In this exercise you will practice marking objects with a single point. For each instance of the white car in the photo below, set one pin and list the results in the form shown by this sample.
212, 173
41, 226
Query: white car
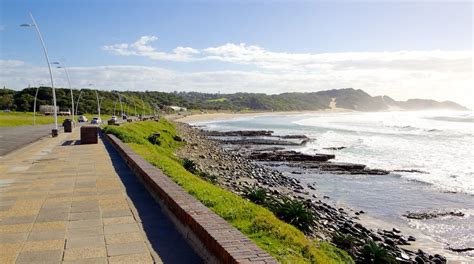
113, 118
82, 119
96, 121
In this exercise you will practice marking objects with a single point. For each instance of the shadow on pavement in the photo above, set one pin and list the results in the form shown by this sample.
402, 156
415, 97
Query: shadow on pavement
71, 143
167, 242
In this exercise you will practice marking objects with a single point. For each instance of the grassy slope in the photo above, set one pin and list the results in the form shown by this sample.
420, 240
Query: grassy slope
26, 119
281, 240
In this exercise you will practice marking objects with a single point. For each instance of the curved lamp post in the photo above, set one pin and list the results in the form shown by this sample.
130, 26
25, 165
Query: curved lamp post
63, 66
34, 107
35, 25
78, 98
34, 104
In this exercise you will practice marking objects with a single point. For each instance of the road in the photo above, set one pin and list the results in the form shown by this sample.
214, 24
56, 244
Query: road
12, 138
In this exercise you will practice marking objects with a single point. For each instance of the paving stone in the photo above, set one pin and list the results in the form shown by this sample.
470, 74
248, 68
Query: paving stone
116, 213
51, 256
88, 241
84, 232
120, 228
18, 220
47, 226
124, 238
54, 210
84, 253
84, 216
18, 228
54, 204
13, 237
85, 223
47, 235
43, 245
87, 261
119, 220
85, 208
135, 258
52, 217
126, 248
10, 248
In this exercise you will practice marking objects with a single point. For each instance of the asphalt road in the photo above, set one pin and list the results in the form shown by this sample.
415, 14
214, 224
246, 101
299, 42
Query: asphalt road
12, 138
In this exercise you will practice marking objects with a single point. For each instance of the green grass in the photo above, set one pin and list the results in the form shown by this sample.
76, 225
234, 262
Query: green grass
283, 241
26, 118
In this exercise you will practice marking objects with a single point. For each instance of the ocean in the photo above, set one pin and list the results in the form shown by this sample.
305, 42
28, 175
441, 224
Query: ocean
437, 144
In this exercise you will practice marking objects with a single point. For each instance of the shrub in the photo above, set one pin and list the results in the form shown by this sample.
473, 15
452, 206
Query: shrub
256, 195
155, 139
346, 242
208, 177
293, 212
375, 254
190, 165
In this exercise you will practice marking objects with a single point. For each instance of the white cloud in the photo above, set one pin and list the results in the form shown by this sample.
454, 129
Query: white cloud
244, 54
142, 48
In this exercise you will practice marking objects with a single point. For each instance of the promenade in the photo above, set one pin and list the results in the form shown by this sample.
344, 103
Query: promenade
62, 202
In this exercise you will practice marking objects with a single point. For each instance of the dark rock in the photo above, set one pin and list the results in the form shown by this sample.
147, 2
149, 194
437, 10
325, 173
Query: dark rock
289, 156
293, 137
239, 133
412, 171
261, 141
177, 138
336, 166
432, 214
335, 148
419, 260
461, 249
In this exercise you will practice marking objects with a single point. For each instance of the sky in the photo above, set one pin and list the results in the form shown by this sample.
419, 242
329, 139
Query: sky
403, 49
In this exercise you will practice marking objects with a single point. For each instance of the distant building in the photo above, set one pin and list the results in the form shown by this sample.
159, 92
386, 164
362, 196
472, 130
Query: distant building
49, 110
177, 108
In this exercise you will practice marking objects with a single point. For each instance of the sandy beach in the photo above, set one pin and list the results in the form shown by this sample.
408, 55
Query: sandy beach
231, 115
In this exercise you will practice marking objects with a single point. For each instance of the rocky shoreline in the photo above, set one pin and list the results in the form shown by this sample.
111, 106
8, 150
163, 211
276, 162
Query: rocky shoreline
238, 165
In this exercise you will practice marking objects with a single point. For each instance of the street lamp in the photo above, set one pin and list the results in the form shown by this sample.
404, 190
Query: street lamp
78, 99
70, 87
34, 105
35, 25
99, 102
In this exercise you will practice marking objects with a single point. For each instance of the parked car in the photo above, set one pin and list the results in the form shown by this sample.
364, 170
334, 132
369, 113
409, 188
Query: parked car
113, 118
96, 121
82, 119
124, 117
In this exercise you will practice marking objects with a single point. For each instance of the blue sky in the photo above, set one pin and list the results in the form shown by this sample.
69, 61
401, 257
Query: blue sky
274, 33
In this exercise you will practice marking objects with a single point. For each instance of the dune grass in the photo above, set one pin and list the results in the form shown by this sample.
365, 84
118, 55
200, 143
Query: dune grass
281, 240
26, 118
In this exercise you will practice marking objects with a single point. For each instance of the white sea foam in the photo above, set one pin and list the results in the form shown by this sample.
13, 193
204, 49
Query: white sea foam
402, 140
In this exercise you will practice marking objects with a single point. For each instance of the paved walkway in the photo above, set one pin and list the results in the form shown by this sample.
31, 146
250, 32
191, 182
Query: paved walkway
70, 203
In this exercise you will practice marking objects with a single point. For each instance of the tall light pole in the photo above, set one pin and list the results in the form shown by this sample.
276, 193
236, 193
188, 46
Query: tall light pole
78, 99
35, 25
34, 105
70, 87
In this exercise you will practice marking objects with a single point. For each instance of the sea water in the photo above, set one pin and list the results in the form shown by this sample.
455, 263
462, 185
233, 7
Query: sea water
439, 144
